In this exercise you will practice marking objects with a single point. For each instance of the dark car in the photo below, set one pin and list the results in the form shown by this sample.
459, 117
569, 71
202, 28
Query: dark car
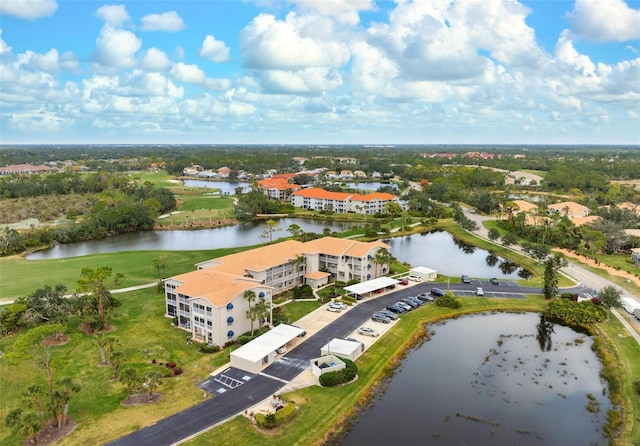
494, 281
396, 309
377, 317
404, 281
404, 305
416, 300
391, 315
465, 279
425, 297
410, 302
301, 335
437, 292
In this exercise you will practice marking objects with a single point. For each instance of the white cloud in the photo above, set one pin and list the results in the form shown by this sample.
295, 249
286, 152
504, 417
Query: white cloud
192, 74
28, 9
167, 21
155, 60
116, 48
605, 20
309, 80
214, 50
50, 61
267, 43
4, 48
114, 15
343, 11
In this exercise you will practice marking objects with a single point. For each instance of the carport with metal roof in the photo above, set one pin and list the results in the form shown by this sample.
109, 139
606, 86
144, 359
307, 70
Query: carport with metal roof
262, 351
371, 285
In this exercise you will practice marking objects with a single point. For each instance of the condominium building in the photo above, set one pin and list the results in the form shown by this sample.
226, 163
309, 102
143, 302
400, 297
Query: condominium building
318, 199
210, 304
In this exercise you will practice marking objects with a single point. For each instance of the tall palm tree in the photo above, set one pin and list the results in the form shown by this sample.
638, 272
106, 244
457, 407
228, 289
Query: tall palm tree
152, 382
382, 257
129, 378
250, 297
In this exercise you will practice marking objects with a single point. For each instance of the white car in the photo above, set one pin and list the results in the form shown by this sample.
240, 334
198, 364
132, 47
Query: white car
366, 331
334, 309
414, 278
479, 292
337, 304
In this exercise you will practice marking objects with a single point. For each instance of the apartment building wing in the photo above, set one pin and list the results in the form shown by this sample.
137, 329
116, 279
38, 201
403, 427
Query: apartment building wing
210, 304
321, 200
278, 187
569, 209
26, 169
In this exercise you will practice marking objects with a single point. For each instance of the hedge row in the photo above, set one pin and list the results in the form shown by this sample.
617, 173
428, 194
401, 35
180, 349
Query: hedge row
281, 416
345, 375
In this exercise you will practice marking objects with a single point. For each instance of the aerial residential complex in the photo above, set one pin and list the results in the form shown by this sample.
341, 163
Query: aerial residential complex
209, 302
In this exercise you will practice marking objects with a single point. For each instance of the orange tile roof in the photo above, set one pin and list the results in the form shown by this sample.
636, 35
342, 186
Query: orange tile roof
317, 275
316, 192
259, 259
524, 206
215, 286
280, 183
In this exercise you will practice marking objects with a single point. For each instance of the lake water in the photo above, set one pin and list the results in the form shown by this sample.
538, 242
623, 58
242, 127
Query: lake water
226, 187
440, 251
491, 379
244, 234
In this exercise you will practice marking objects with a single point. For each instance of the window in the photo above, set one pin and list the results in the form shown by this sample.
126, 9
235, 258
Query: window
261, 295
230, 334
229, 306
229, 320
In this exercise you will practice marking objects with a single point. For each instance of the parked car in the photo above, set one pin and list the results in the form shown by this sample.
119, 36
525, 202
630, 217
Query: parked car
396, 309
416, 300
337, 304
494, 281
355, 340
391, 315
437, 292
465, 279
404, 281
377, 317
411, 302
414, 278
355, 296
334, 309
404, 305
367, 331
479, 292
425, 297
303, 334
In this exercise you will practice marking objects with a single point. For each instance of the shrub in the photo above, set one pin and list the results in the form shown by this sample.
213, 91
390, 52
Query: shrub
636, 386
229, 344
345, 375
566, 296
213, 348
177, 371
171, 364
448, 301
278, 418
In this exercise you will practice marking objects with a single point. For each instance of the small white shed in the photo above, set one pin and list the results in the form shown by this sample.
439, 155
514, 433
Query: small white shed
326, 364
343, 348
424, 272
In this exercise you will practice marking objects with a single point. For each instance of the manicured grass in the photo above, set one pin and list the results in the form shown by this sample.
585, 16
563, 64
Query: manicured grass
295, 310
159, 178
206, 202
19, 277
144, 334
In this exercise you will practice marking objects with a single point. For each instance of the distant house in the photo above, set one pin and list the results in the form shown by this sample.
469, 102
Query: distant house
346, 175
341, 202
627, 205
278, 187
299, 160
24, 169
522, 206
569, 209
359, 174
331, 175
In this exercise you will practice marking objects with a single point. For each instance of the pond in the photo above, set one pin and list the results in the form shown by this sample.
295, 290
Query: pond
244, 234
451, 257
226, 187
522, 380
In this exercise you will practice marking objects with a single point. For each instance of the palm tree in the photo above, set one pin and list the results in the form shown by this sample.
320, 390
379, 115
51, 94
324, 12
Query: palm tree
152, 382
28, 422
382, 257
33, 395
62, 398
262, 309
117, 358
299, 262
129, 378
250, 296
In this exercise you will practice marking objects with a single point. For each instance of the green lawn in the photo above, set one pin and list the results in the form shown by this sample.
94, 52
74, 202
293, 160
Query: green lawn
19, 277
295, 310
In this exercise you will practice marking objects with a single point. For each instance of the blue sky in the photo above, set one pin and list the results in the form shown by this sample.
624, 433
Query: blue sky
320, 71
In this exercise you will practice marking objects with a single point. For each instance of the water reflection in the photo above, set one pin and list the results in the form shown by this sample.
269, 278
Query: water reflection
451, 257
510, 385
